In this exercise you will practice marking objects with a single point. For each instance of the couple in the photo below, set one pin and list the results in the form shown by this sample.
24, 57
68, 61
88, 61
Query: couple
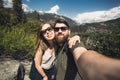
60, 53
52, 51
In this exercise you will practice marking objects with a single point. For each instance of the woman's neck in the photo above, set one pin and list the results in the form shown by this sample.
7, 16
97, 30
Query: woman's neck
51, 44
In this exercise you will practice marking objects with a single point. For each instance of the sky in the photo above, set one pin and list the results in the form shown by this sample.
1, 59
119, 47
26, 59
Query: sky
82, 11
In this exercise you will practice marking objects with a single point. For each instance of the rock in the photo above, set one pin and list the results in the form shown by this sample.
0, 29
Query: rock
11, 69
8, 69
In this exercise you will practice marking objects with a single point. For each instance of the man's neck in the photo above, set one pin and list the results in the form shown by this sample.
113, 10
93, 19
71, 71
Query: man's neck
62, 43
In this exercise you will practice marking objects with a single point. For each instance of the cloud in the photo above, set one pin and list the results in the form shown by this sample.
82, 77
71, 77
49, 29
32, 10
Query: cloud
41, 11
26, 8
98, 16
28, 0
8, 3
54, 9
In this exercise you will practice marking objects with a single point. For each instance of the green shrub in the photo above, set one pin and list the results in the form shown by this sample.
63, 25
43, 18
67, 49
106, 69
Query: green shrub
19, 40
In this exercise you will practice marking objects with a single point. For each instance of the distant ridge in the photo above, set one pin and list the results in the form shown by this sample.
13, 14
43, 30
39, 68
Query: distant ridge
51, 17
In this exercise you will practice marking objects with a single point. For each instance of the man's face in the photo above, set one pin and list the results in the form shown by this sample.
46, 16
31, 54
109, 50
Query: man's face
61, 33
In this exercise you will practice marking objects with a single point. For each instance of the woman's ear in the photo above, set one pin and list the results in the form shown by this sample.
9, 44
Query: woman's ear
69, 31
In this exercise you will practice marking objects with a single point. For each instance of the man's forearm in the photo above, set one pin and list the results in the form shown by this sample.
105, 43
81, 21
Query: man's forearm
78, 52
94, 66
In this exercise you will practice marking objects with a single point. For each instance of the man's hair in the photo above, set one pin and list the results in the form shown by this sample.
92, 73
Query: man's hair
62, 21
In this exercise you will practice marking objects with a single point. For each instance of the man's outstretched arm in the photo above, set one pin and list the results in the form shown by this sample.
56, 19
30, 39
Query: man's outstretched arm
95, 66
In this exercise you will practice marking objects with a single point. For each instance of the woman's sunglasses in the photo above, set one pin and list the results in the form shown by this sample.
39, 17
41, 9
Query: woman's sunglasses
48, 29
64, 28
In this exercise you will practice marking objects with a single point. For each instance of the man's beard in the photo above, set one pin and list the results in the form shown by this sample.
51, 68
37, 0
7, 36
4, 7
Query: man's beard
61, 40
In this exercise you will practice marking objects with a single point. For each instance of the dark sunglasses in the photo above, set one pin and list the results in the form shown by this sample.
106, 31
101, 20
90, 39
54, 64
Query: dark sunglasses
64, 28
48, 29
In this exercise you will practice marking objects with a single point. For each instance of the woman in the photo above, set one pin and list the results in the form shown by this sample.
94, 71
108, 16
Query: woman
43, 64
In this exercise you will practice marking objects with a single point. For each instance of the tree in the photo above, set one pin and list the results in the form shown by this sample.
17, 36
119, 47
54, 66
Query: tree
36, 15
18, 11
1, 4
4, 15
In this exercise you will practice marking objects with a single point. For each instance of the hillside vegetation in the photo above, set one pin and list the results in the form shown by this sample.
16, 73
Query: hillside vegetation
103, 37
18, 40
18, 33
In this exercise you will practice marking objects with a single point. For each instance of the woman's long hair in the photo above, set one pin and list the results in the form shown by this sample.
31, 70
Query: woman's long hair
41, 42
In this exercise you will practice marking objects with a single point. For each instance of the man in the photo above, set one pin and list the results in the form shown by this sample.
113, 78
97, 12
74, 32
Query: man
66, 67
91, 65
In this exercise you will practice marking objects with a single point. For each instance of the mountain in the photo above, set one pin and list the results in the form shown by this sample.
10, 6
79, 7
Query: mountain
101, 27
50, 17
103, 37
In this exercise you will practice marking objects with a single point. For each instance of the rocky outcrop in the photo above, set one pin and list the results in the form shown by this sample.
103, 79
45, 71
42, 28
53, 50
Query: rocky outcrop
11, 69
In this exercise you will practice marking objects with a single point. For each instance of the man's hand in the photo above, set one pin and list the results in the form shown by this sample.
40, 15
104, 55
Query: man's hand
72, 41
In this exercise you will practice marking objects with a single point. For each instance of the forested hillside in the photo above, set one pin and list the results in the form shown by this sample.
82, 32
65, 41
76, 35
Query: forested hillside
103, 37
18, 32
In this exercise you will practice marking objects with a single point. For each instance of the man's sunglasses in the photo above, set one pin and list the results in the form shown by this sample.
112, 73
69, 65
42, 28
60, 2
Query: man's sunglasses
64, 28
48, 29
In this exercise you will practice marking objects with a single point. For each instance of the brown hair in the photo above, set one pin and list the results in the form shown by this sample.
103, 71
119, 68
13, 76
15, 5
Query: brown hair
41, 42
62, 21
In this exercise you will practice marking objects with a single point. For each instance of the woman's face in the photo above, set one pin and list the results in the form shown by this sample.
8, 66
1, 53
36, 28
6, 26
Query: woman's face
48, 32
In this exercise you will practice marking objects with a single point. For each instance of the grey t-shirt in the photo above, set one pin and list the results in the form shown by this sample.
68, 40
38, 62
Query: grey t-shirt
66, 67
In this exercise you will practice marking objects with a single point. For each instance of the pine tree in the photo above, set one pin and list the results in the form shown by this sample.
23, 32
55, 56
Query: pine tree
1, 4
4, 15
19, 13
36, 15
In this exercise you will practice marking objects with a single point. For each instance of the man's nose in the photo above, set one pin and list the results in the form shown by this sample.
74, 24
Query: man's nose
59, 30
